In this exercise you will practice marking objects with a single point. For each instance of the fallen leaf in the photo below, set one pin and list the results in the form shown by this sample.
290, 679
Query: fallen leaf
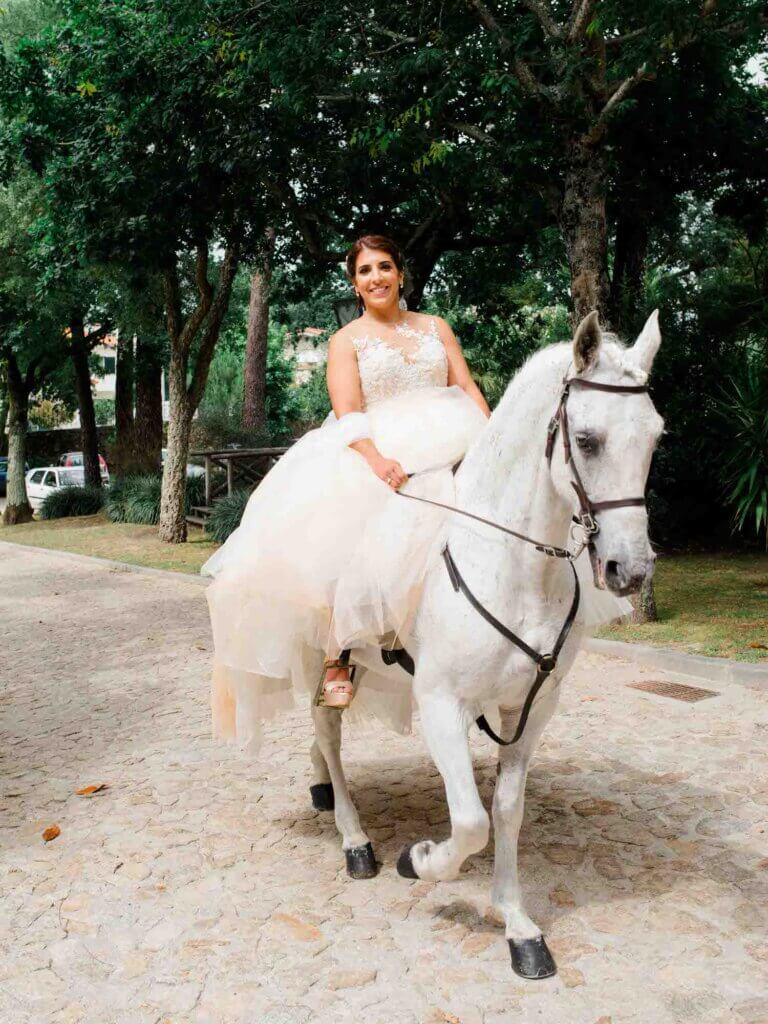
51, 832
758, 647
90, 790
589, 698
200, 647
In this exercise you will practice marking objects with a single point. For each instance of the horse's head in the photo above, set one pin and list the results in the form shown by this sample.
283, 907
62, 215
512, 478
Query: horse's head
612, 436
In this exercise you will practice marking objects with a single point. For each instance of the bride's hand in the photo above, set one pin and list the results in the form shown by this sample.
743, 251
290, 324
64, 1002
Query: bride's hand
388, 470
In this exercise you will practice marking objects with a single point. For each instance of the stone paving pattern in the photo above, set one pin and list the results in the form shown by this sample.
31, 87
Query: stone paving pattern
201, 887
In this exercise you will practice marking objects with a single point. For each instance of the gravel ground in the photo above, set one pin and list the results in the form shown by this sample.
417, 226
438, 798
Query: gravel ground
199, 886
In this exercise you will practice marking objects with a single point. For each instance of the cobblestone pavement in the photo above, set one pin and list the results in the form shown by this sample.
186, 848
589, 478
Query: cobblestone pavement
201, 887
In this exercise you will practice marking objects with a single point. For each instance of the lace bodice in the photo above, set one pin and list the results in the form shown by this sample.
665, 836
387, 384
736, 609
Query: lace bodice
417, 360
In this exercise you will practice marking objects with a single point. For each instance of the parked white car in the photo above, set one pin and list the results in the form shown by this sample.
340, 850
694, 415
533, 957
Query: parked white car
192, 469
42, 482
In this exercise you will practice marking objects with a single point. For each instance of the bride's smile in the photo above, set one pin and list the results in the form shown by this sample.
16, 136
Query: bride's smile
378, 280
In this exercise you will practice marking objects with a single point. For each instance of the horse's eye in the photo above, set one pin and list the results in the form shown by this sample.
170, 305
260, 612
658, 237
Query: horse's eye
587, 443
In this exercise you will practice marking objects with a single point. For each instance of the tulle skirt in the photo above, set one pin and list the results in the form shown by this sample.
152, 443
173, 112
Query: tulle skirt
327, 556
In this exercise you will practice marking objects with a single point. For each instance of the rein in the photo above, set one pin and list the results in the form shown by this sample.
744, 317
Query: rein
585, 518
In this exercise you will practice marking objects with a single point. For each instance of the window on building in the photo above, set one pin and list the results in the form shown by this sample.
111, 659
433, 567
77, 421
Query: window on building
109, 364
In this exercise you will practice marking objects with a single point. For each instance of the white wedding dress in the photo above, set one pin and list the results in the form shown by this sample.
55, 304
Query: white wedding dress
328, 555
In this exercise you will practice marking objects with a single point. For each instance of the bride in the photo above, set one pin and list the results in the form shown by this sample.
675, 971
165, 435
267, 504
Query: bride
328, 563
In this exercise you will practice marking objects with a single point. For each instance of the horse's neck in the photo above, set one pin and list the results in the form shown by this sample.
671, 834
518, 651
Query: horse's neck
505, 478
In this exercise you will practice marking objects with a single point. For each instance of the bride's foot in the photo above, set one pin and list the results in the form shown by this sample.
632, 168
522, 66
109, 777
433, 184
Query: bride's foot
337, 689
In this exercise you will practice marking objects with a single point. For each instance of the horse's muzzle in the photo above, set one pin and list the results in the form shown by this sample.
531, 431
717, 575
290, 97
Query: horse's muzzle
627, 577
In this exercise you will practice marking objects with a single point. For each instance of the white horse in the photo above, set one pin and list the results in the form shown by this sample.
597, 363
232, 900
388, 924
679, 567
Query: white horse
464, 665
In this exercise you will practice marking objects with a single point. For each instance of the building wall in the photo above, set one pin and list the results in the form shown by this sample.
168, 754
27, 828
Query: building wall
310, 352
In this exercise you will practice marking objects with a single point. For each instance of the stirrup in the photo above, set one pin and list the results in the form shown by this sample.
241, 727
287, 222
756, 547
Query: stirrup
346, 687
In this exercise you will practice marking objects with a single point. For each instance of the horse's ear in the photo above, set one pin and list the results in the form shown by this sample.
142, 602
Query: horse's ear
645, 348
586, 342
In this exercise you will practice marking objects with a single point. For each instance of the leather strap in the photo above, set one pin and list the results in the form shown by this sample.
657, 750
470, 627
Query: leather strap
545, 663
548, 549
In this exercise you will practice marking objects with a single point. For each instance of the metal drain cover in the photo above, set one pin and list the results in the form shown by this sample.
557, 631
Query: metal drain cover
677, 691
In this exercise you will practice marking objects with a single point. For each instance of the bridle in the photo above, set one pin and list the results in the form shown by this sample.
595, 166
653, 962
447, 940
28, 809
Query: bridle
588, 509
585, 519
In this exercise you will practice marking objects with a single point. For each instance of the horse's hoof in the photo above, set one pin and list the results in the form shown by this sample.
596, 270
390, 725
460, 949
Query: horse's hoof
531, 958
405, 864
322, 796
361, 862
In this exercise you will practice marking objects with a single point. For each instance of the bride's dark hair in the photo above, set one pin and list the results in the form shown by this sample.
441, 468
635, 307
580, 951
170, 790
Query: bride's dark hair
380, 242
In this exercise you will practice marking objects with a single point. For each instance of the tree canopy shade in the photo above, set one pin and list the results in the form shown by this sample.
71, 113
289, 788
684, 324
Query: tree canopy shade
484, 123
535, 134
127, 111
31, 342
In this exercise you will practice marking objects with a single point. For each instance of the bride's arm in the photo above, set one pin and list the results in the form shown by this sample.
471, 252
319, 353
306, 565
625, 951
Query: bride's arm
343, 379
458, 371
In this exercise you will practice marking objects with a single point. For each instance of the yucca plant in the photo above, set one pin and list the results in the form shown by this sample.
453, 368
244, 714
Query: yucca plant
136, 499
745, 409
226, 514
72, 501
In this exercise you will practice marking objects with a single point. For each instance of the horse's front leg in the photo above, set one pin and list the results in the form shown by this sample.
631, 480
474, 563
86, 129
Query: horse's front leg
321, 789
358, 851
530, 955
445, 723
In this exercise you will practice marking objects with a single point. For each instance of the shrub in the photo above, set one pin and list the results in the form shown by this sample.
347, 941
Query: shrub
136, 499
104, 409
226, 515
312, 403
72, 501
744, 411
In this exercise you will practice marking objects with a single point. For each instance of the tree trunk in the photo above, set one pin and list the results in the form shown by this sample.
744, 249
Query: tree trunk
148, 422
173, 523
628, 265
3, 404
17, 509
122, 451
255, 371
645, 604
584, 226
626, 292
205, 318
3, 415
89, 434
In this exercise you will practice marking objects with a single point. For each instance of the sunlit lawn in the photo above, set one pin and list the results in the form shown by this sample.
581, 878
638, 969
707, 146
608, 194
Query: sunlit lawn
123, 542
712, 604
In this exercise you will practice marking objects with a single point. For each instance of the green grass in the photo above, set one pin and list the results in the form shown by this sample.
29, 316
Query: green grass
712, 604
715, 604
122, 542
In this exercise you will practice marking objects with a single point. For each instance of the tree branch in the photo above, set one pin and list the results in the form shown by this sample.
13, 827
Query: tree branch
218, 309
172, 297
522, 71
625, 88
398, 36
579, 18
472, 131
305, 220
94, 337
620, 40
542, 11
205, 294
29, 376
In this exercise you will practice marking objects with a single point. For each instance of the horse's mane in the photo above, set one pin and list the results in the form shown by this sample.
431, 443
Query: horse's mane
557, 357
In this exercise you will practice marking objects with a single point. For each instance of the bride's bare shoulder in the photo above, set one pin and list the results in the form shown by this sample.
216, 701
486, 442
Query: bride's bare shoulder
343, 339
426, 322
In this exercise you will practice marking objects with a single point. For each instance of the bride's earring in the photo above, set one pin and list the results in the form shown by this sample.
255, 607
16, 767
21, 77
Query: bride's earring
403, 304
